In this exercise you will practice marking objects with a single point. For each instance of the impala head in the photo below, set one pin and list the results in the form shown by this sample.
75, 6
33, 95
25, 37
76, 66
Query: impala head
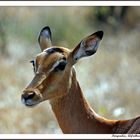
53, 67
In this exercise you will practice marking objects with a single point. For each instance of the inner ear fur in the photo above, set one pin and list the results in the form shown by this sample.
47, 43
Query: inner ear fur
45, 38
87, 47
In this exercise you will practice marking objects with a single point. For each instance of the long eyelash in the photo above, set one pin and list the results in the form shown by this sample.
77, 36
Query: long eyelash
33, 63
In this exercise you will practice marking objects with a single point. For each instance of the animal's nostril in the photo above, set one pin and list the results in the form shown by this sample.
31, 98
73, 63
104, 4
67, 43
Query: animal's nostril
27, 96
31, 95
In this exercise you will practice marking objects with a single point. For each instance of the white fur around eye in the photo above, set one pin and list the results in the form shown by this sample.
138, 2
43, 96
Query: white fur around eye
45, 51
55, 65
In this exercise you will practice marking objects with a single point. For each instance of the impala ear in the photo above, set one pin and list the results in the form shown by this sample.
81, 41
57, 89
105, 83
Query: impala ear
87, 47
45, 39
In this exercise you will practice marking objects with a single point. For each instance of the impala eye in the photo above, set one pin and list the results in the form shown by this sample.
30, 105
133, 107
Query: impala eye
60, 66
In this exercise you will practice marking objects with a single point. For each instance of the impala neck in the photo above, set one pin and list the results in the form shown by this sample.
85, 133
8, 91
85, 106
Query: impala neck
74, 115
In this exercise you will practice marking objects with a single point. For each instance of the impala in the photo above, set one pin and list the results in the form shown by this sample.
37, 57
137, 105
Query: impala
55, 80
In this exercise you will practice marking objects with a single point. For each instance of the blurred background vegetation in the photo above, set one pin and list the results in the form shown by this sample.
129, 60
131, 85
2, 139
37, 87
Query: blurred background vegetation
113, 89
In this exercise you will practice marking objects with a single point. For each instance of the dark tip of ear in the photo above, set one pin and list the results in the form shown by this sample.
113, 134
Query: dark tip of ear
48, 33
45, 28
99, 34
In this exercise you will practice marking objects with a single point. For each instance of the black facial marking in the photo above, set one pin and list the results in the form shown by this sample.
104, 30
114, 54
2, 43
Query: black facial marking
53, 50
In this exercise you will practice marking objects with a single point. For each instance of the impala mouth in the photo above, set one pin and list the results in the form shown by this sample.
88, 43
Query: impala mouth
28, 103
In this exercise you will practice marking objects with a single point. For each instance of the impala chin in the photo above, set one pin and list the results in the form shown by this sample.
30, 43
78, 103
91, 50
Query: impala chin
29, 102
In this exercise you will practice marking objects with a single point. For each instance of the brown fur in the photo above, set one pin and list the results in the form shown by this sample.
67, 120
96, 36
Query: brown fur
74, 115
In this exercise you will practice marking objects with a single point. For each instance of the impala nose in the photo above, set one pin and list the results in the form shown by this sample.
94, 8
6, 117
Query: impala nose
27, 96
